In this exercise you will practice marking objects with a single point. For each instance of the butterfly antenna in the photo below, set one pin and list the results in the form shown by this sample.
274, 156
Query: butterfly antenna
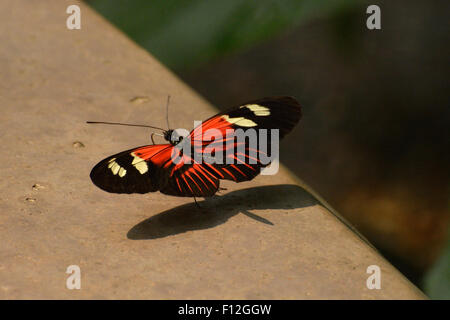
124, 124
167, 112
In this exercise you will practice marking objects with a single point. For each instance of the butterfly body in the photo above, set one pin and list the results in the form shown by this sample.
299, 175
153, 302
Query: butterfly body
182, 167
170, 137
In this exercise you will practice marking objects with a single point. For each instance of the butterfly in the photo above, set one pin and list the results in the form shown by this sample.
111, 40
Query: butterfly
181, 168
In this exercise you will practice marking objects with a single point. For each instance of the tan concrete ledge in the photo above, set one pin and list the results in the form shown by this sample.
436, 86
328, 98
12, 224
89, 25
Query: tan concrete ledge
269, 238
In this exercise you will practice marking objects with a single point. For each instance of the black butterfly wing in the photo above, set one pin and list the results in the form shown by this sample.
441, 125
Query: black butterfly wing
281, 113
133, 171
191, 180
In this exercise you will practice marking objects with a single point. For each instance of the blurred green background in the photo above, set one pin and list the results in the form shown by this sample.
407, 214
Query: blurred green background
185, 34
374, 140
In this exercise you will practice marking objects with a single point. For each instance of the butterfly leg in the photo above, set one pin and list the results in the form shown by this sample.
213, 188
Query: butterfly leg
155, 134
196, 203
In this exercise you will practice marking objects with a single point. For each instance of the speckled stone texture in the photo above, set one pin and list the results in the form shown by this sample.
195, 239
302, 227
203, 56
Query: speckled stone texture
268, 238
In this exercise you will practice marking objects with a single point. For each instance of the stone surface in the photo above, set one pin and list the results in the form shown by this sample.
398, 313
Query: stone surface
268, 238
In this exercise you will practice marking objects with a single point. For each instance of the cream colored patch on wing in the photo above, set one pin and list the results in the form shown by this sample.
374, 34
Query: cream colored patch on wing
116, 168
122, 172
139, 163
240, 121
258, 110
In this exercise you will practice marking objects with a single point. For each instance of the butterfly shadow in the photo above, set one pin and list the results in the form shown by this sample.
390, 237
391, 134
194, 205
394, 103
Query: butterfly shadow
218, 209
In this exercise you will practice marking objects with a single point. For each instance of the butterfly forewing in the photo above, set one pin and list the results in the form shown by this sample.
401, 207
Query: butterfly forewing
131, 171
276, 113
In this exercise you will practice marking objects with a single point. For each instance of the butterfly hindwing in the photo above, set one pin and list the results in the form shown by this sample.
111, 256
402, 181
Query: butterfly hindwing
191, 180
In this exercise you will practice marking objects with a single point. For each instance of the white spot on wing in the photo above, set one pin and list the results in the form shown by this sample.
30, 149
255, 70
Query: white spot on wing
258, 110
115, 168
240, 121
122, 172
139, 163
